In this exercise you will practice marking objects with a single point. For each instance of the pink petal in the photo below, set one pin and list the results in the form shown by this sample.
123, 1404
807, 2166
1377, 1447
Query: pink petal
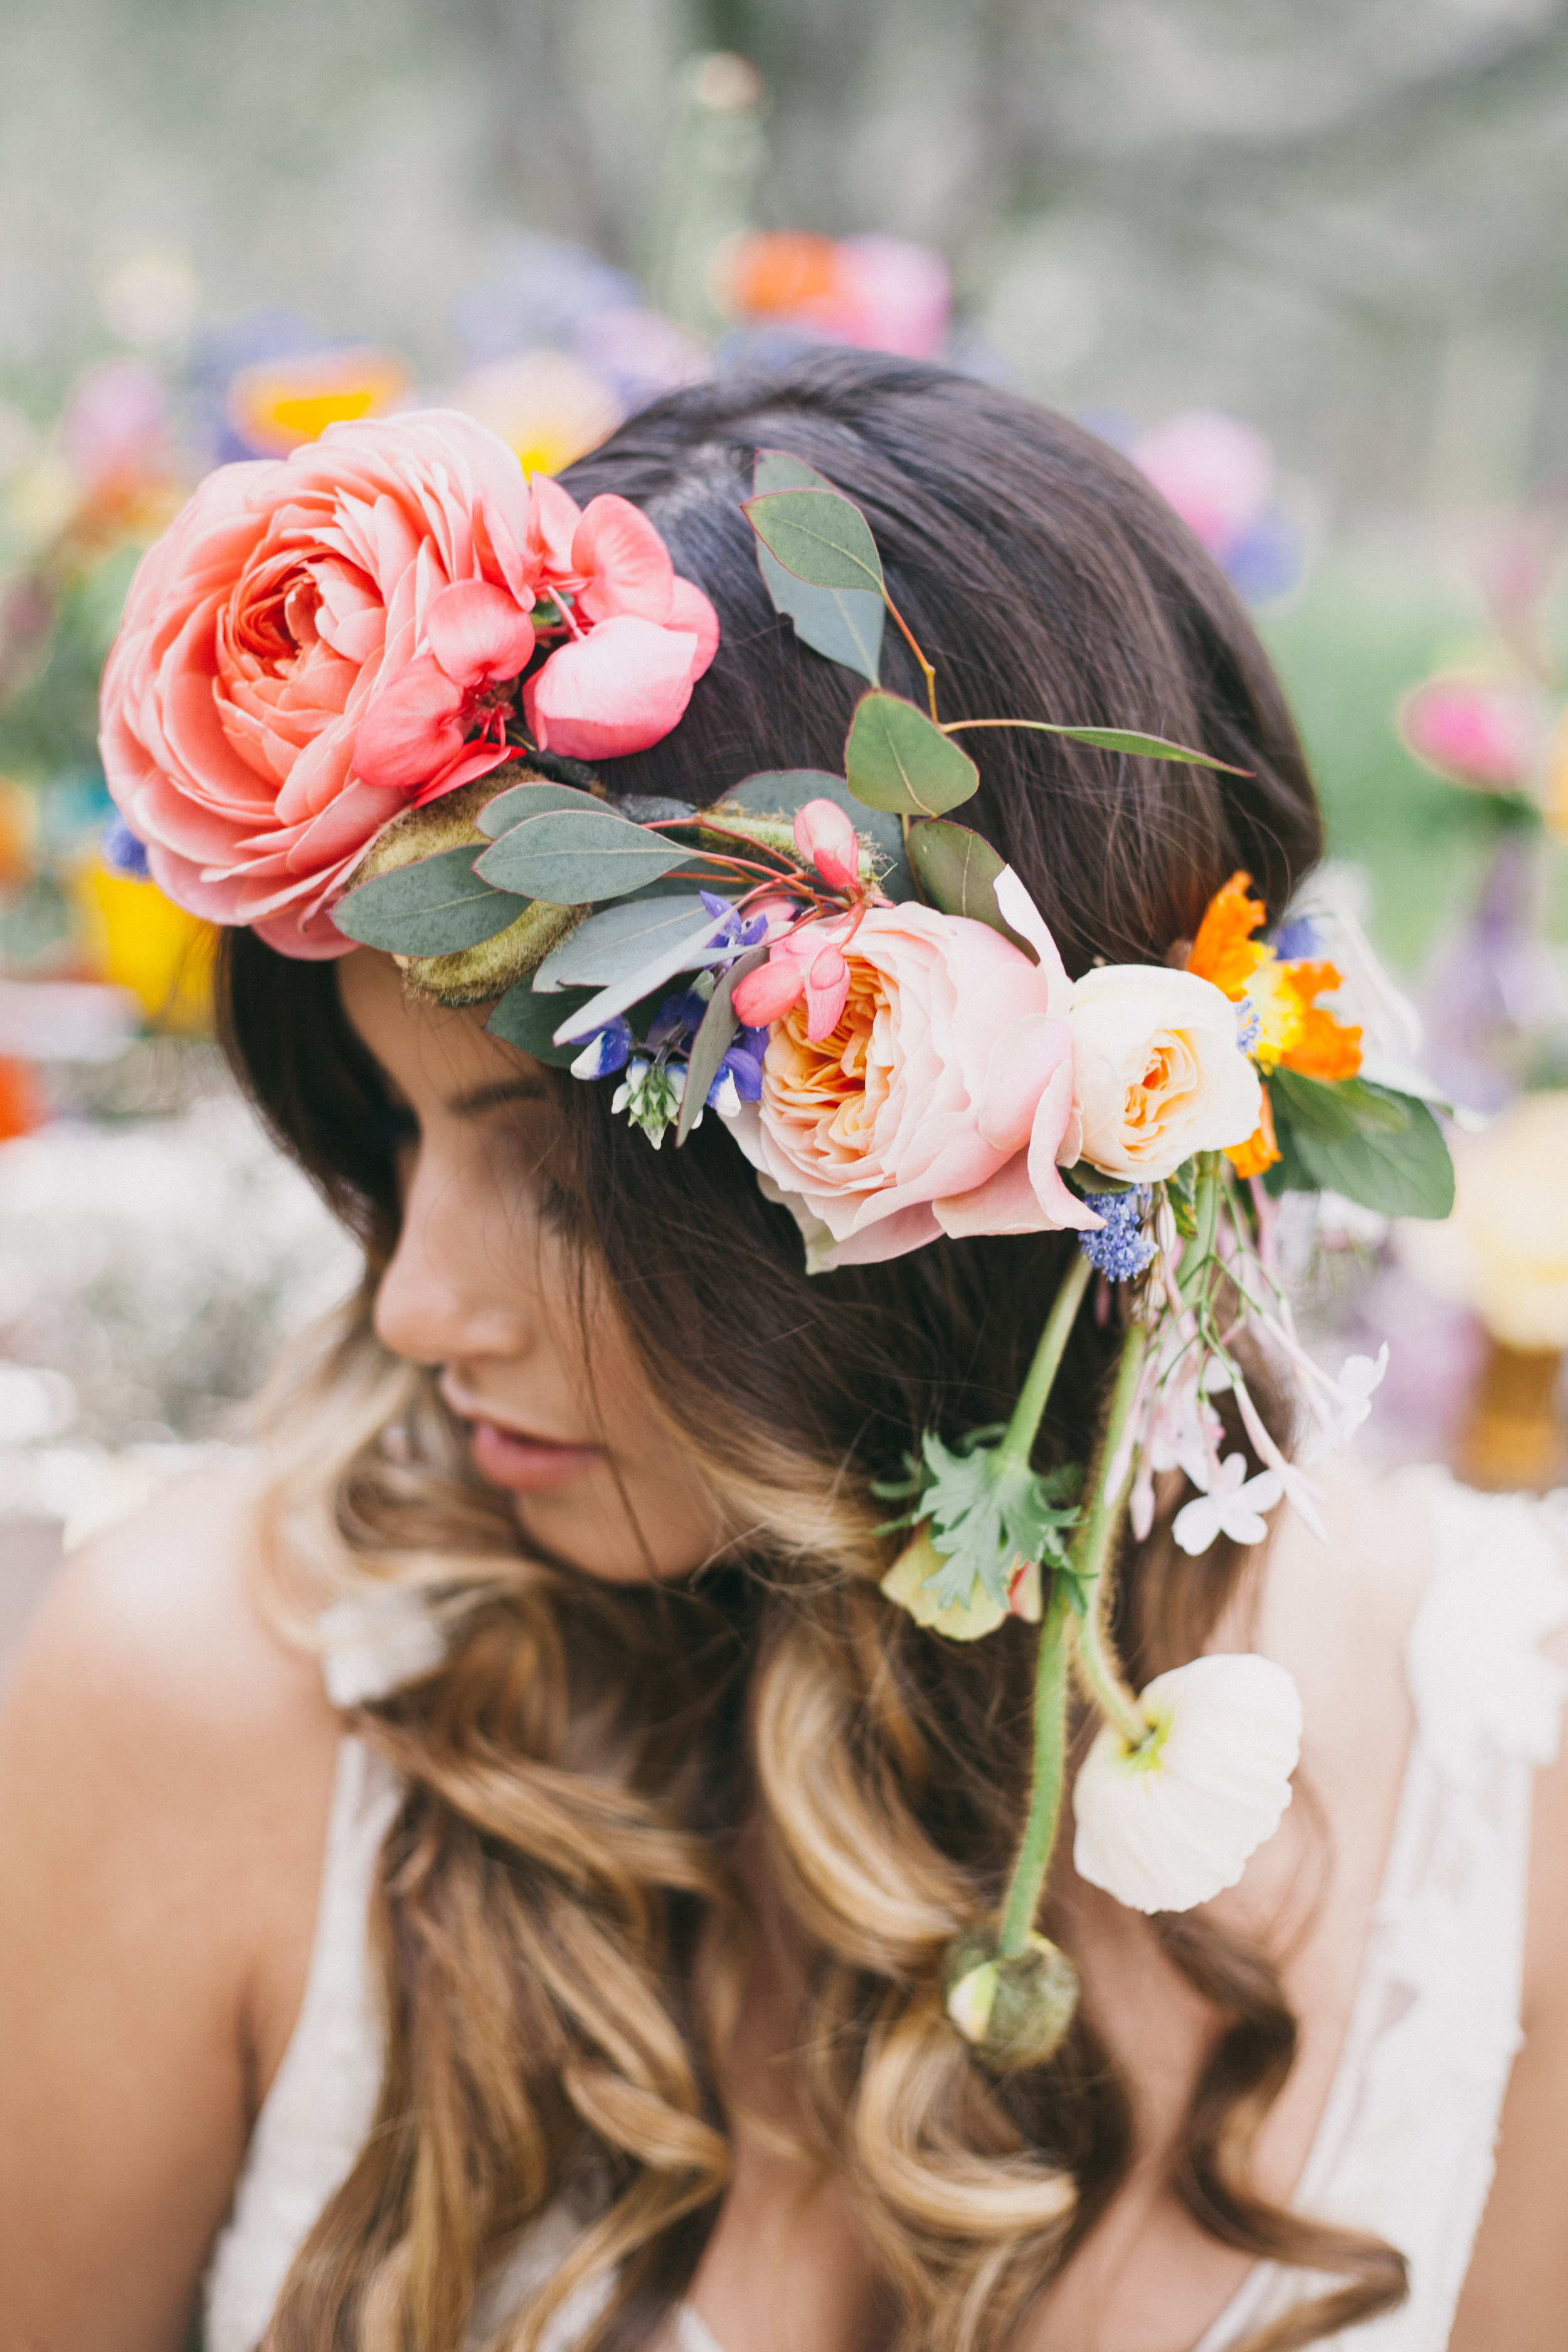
827, 994
477, 759
1052, 1118
478, 634
766, 994
1023, 1059
291, 938
1005, 1203
690, 609
1019, 911
619, 689
623, 560
554, 518
412, 728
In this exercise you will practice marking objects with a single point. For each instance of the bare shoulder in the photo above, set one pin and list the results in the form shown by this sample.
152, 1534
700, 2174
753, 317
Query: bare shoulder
166, 1775
160, 1615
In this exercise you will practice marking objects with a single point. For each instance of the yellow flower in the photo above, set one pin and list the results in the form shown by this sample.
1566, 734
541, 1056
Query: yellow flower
142, 941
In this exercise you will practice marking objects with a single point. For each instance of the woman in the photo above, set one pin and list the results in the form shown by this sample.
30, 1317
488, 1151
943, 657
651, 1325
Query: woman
568, 1964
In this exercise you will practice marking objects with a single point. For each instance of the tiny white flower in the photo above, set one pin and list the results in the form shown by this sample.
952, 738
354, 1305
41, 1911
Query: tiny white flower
1172, 1821
725, 1097
1359, 1376
1231, 1507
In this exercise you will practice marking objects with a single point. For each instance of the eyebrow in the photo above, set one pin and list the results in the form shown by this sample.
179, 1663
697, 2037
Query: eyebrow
491, 1097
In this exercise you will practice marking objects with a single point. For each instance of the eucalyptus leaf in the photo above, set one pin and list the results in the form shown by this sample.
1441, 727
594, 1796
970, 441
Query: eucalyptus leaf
433, 907
573, 856
529, 1021
843, 623
819, 535
957, 871
896, 758
692, 953
1380, 1148
1136, 746
711, 1043
784, 792
619, 940
510, 808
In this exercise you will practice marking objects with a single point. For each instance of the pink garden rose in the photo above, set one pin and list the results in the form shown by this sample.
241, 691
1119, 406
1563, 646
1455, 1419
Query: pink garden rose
318, 643
918, 1081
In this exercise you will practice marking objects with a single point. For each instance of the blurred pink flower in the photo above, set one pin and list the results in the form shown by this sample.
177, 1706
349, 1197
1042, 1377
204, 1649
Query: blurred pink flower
1488, 732
1217, 473
115, 421
879, 292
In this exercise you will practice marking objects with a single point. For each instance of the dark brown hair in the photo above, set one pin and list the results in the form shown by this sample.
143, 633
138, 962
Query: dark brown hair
1046, 580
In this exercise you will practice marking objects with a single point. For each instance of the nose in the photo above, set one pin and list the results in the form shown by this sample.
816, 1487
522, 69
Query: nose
453, 1291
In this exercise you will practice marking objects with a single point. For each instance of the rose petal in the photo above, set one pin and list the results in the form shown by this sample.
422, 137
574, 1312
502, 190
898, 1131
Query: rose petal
412, 728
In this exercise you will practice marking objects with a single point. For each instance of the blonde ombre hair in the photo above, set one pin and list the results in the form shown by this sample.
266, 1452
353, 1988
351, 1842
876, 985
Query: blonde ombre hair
562, 1926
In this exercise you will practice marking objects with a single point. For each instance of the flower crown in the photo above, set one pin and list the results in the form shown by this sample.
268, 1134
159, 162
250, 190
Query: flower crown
866, 995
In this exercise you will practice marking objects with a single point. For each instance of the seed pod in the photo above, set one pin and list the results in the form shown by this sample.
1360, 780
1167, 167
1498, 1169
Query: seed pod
1014, 2009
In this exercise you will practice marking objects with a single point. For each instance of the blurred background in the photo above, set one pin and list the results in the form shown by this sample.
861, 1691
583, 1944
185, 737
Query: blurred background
1305, 263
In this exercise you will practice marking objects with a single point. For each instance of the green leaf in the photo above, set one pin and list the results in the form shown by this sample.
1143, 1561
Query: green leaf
1138, 746
986, 1515
957, 871
711, 1043
1382, 1148
1181, 1191
510, 808
573, 856
619, 941
433, 907
693, 952
843, 623
784, 792
529, 1021
819, 536
896, 758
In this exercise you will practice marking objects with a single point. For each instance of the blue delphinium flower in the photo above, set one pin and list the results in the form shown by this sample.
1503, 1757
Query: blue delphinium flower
1122, 1249
736, 935
606, 1051
740, 1075
677, 1018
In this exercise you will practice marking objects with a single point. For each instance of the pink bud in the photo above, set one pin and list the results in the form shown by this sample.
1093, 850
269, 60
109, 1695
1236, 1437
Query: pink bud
827, 992
766, 994
824, 835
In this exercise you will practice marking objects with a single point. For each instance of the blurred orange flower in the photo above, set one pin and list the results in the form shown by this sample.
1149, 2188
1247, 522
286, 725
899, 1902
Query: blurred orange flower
1225, 950
277, 405
1260, 1150
22, 1104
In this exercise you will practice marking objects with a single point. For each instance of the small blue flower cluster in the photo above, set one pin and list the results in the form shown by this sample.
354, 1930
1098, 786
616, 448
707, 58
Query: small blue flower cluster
1122, 1249
122, 852
1248, 1027
738, 1075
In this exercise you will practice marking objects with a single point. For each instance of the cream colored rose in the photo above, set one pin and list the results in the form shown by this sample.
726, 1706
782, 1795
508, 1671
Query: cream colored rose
1157, 1071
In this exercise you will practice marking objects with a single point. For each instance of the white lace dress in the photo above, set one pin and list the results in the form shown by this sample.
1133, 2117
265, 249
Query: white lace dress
1406, 2144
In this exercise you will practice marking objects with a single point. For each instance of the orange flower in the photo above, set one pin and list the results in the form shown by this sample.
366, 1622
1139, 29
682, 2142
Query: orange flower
1260, 1150
1225, 950
22, 1104
1322, 1048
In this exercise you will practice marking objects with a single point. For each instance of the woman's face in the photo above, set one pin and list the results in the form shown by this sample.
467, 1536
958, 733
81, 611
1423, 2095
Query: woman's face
486, 1290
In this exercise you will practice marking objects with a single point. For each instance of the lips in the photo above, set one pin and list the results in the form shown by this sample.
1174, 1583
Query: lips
525, 1464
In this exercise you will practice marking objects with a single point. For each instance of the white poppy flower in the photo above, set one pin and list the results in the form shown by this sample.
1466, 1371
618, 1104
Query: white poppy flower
1168, 1823
1232, 1507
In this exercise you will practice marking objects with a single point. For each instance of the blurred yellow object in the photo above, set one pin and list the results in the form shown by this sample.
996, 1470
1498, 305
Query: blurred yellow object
279, 404
1503, 1253
1513, 1436
547, 407
141, 941
1554, 782
18, 831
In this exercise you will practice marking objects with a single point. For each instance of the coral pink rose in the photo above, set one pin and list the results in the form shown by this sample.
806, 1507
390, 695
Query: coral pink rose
316, 644
258, 630
940, 1098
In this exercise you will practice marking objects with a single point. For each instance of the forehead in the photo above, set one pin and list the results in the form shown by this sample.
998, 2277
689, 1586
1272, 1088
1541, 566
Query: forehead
430, 1052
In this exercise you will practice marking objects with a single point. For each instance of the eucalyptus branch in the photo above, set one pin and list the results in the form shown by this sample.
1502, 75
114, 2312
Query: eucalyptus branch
926, 670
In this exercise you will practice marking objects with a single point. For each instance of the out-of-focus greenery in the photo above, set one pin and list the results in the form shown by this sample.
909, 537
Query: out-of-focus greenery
1360, 632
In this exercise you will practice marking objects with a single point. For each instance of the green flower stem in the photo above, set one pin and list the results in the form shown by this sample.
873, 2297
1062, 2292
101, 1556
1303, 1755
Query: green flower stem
1050, 1753
1023, 1428
1090, 1549
1206, 1217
